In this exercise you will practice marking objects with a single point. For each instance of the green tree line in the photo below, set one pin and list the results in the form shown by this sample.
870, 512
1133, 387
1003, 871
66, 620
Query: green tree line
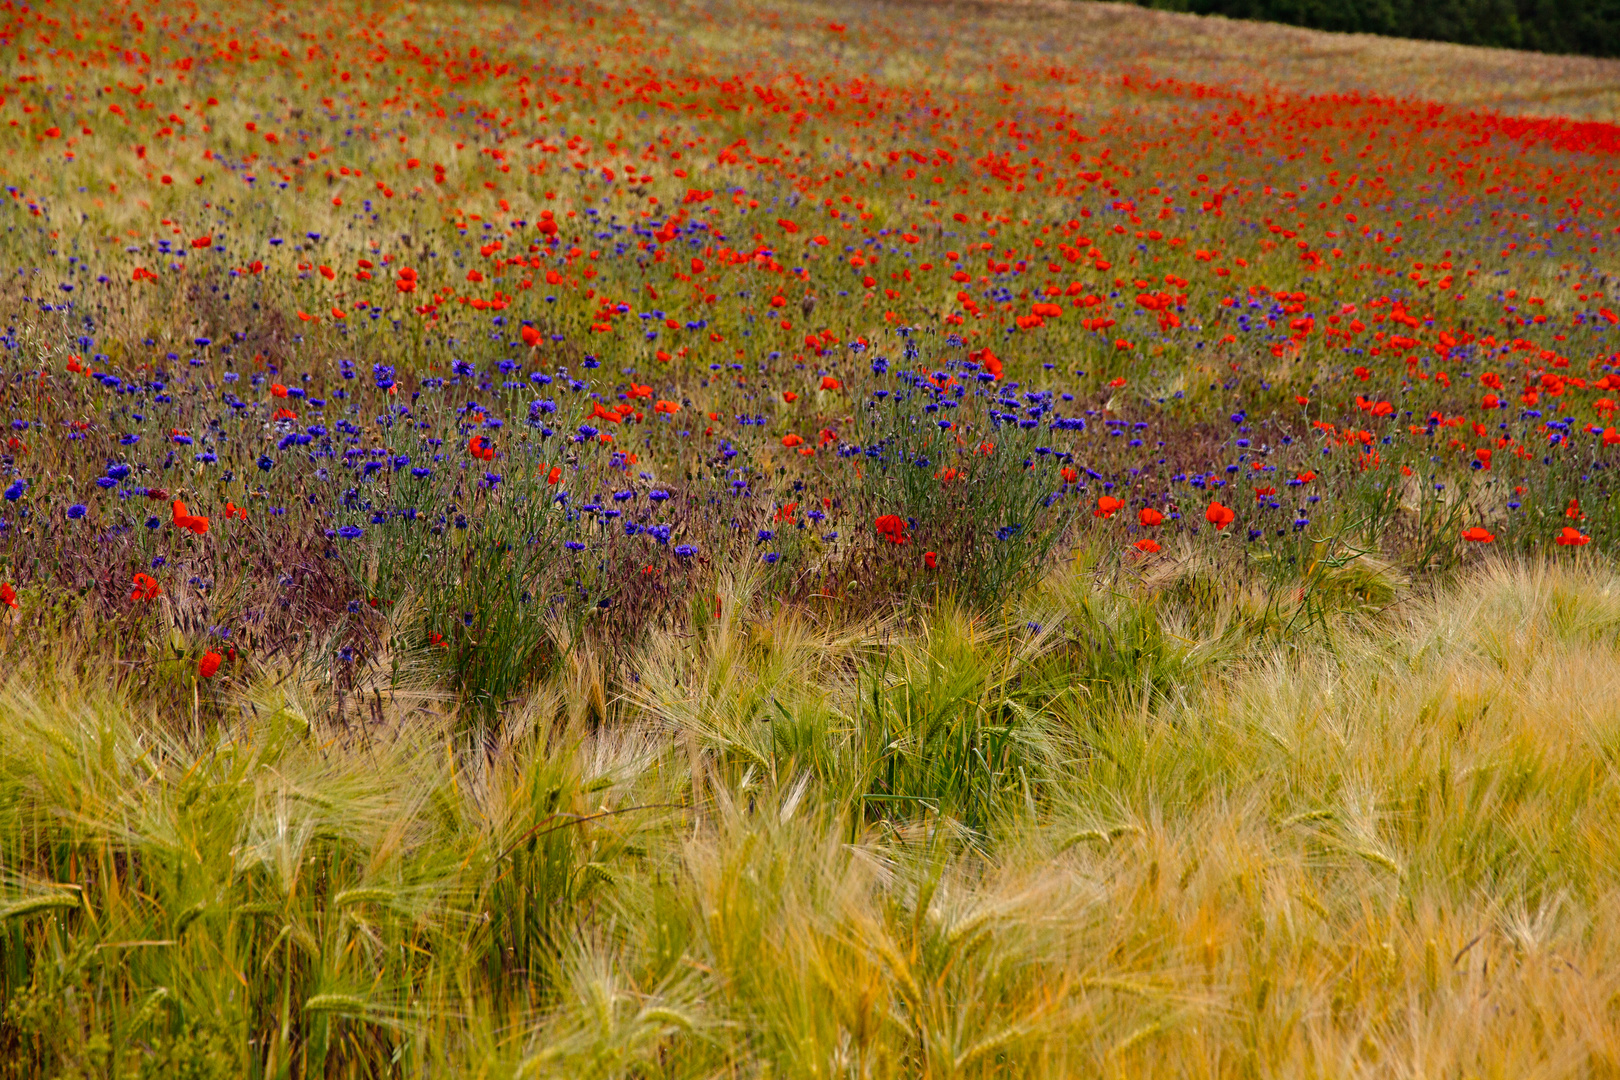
1590, 27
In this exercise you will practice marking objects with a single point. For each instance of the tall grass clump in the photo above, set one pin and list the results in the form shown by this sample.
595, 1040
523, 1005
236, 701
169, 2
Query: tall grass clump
1123, 829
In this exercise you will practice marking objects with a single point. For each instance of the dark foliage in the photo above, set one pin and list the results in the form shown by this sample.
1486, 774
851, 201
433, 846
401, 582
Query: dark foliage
1588, 27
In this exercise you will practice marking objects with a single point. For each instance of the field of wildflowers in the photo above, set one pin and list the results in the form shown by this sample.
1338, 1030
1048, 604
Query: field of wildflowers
550, 539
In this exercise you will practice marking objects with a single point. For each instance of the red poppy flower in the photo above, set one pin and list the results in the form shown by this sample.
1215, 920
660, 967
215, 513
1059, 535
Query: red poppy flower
1149, 517
892, 527
830, 383
209, 664
183, 519
8, 595
1147, 546
1478, 535
988, 359
1219, 516
531, 336
931, 560
146, 588
1572, 537
1107, 506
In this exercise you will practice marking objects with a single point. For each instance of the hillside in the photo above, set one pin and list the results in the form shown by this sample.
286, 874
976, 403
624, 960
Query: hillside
913, 539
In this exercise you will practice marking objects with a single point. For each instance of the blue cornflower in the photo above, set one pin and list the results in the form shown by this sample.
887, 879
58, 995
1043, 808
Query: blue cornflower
351, 532
78, 510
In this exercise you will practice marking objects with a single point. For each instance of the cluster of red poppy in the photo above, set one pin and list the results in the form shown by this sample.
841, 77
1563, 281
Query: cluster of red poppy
741, 240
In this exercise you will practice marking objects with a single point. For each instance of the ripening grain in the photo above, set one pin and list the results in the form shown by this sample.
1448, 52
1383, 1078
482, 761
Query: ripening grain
915, 540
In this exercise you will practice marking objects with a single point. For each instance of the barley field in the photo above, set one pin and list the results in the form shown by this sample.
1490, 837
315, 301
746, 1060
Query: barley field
912, 539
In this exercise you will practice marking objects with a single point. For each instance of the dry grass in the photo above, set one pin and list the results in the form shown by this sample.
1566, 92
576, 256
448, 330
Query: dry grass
1381, 852
1258, 55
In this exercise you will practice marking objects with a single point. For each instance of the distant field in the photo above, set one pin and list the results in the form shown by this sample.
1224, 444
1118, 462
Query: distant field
1218, 50
826, 540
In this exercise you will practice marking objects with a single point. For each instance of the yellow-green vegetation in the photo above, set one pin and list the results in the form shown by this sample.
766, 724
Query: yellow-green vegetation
1151, 827
824, 541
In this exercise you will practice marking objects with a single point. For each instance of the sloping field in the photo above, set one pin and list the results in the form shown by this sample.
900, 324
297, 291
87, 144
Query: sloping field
1255, 55
941, 540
